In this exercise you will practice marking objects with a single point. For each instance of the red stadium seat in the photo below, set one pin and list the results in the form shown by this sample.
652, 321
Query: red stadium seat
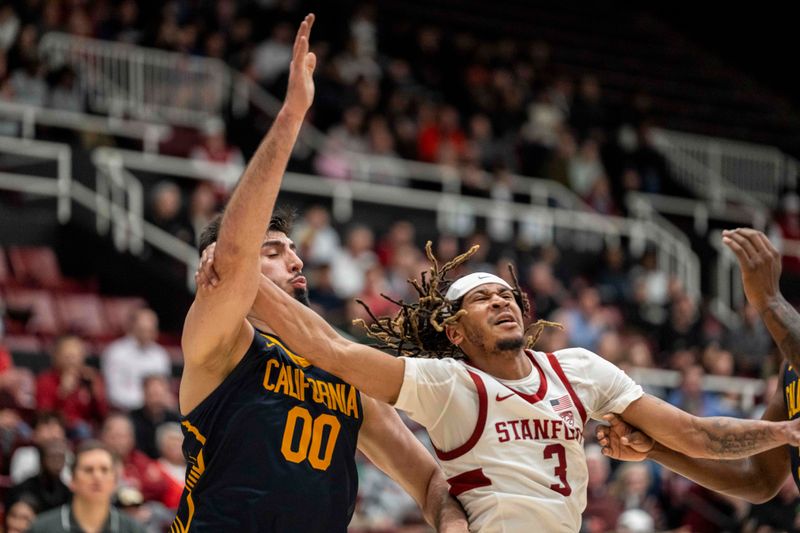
36, 266
118, 312
42, 317
83, 314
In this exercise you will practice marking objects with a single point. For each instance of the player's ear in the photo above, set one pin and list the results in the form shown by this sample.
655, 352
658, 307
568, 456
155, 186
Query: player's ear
454, 333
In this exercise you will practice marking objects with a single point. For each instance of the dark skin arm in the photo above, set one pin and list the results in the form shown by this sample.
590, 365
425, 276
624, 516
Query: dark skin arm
760, 264
756, 479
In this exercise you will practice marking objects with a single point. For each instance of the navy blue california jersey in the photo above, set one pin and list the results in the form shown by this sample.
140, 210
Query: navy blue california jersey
791, 395
272, 449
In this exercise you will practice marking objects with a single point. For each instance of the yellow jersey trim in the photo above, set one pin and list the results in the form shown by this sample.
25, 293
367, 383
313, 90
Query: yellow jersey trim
301, 361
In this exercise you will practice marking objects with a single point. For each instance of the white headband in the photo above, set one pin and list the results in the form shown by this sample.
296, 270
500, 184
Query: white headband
463, 285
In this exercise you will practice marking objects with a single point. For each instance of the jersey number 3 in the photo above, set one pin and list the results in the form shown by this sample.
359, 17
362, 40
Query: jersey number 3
560, 470
312, 433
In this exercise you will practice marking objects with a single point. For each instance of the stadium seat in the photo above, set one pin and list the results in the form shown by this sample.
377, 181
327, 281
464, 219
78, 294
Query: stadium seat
33, 311
23, 343
83, 314
36, 266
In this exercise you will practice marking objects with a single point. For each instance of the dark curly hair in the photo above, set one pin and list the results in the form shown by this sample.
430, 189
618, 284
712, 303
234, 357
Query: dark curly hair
418, 329
281, 221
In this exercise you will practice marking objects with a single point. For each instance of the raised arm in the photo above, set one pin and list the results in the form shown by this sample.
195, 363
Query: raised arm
391, 446
760, 264
369, 370
216, 319
708, 437
756, 479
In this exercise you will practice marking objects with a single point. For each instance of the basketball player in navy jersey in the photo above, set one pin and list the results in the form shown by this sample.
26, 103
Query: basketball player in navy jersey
270, 439
756, 479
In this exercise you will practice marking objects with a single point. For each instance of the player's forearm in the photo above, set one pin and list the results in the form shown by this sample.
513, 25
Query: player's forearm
249, 210
367, 369
783, 322
727, 438
740, 478
441, 510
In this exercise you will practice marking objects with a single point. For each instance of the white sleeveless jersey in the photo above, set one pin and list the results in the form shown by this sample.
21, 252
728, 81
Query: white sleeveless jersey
522, 466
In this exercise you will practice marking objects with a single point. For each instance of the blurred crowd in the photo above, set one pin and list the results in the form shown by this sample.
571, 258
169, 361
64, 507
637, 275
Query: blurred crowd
490, 110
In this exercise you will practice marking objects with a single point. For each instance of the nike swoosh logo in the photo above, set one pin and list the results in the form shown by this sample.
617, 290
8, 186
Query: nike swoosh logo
501, 398
482, 277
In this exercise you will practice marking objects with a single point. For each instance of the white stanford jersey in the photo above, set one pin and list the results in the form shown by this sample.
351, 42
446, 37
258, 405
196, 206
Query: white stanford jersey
513, 450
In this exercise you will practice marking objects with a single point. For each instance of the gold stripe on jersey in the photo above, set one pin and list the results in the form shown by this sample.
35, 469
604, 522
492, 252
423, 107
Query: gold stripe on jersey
198, 466
300, 361
792, 398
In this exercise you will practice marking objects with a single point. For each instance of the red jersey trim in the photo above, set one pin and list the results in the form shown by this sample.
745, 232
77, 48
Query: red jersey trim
578, 404
467, 481
483, 404
539, 394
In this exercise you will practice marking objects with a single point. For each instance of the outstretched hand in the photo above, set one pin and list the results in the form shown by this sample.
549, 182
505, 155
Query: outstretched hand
300, 91
759, 262
622, 441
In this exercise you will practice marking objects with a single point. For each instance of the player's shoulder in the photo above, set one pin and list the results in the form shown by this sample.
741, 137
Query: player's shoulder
444, 365
575, 355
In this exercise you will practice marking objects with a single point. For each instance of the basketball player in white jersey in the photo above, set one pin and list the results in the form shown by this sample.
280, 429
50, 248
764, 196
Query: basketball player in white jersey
506, 421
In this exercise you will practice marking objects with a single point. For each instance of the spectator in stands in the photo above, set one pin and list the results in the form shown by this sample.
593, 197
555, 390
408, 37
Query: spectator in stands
46, 487
202, 208
26, 460
317, 242
749, 341
13, 431
9, 26
350, 265
127, 361
158, 408
544, 290
20, 515
27, 84
66, 93
631, 487
93, 483
602, 509
171, 461
72, 388
138, 470
348, 136
683, 329
693, 399
166, 210
215, 149
271, 58
586, 322
444, 132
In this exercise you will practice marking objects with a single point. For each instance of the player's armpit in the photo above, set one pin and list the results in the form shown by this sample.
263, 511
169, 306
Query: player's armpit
391, 446
711, 437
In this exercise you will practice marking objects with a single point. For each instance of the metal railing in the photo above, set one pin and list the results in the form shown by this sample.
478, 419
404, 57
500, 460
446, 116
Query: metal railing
121, 79
29, 117
675, 255
116, 199
60, 187
748, 389
721, 170
700, 211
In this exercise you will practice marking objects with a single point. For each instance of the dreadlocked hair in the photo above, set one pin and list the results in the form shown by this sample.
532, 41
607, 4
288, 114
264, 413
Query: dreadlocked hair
418, 329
